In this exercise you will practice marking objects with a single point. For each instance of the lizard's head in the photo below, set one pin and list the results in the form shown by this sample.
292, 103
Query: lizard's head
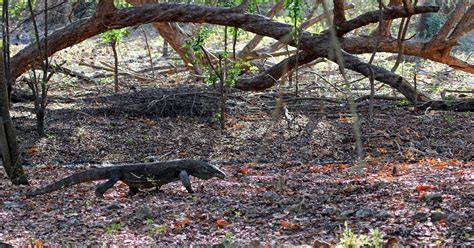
205, 170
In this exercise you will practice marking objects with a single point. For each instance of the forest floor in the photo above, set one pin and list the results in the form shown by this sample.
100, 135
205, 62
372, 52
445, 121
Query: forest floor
292, 175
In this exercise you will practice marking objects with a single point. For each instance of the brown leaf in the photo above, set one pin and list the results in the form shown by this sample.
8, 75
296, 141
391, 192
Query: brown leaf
424, 187
38, 244
345, 119
32, 150
180, 224
238, 126
290, 226
392, 242
244, 170
222, 223
321, 244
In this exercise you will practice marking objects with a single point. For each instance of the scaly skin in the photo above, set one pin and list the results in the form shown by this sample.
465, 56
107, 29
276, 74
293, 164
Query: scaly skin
138, 176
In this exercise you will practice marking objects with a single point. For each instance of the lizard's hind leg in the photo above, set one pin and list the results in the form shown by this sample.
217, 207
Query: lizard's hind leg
100, 190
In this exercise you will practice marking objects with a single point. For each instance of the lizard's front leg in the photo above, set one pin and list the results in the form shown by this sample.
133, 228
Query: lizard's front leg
100, 190
183, 175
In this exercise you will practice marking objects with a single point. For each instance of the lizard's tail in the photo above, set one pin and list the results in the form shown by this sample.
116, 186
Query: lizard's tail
85, 176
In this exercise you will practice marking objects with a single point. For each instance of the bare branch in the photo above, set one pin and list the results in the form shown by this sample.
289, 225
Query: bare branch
269, 77
465, 25
383, 75
172, 33
321, 17
362, 45
373, 17
454, 18
305, 25
257, 38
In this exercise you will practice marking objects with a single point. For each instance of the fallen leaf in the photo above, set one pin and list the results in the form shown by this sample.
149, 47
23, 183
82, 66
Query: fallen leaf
39, 244
424, 187
284, 223
348, 189
392, 242
183, 153
222, 223
345, 119
150, 122
238, 126
422, 195
381, 150
32, 150
244, 170
454, 162
180, 224
321, 244
290, 226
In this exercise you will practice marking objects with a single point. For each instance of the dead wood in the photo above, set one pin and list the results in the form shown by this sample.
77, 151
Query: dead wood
108, 67
161, 102
380, 97
71, 73
451, 105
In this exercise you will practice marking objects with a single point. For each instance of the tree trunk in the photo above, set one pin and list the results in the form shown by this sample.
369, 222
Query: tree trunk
40, 122
116, 73
9, 145
164, 51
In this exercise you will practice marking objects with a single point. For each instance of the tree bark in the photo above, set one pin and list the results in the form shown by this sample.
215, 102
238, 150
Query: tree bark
10, 150
164, 51
116, 73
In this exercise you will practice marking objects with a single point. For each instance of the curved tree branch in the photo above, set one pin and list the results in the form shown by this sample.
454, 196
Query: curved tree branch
373, 17
270, 77
360, 45
314, 45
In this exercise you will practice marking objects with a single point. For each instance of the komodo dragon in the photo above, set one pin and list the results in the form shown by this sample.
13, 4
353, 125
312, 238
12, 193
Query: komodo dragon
138, 176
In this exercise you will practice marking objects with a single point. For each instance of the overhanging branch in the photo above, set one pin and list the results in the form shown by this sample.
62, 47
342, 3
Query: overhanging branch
314, 45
